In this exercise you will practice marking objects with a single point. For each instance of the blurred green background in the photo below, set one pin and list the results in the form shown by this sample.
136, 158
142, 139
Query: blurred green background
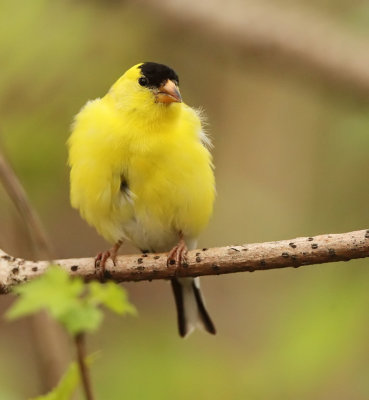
291, 156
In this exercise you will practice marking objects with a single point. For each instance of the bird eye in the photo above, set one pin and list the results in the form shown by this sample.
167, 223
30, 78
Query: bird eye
143, 81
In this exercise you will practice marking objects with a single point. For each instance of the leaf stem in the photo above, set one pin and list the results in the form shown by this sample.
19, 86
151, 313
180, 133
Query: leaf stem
83, 369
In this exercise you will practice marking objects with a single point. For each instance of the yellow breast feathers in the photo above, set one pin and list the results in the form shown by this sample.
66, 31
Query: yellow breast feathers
139, 168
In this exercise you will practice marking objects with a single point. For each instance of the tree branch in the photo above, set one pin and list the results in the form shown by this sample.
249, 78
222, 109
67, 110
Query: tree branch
49, 340
296, 34
215, 261
40, 243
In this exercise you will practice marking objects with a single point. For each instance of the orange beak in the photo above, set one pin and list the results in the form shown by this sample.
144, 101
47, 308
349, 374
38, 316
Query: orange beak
168, 93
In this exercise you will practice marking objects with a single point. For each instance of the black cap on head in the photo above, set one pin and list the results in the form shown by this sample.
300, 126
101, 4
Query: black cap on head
157, 74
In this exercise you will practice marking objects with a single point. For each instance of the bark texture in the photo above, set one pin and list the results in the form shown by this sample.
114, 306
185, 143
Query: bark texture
215, 261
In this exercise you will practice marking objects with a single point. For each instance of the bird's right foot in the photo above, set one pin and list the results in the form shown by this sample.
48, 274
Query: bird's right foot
178, 255
101, 259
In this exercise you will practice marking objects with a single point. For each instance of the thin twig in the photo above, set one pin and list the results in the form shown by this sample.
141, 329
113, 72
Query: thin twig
49, 341
37, 236
80, 341
222, 260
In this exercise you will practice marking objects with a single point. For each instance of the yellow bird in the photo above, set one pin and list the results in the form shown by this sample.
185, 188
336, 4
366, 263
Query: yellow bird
141, 170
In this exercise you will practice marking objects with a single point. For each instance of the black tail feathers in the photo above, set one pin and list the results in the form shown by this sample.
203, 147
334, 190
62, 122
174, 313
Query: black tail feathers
203, 313
191, 311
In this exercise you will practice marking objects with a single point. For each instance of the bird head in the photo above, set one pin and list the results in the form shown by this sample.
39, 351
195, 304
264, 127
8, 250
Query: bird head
145, 85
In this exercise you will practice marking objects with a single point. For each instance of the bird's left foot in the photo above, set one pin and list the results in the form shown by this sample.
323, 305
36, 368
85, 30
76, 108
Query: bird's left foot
101, 259
178, 255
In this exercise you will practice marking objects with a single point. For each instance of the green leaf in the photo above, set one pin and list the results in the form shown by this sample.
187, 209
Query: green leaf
53, 291
83, 317
112, 296
68, 383
66, 386
70, 301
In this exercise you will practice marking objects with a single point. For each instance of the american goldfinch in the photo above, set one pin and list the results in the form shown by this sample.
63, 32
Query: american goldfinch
141, 170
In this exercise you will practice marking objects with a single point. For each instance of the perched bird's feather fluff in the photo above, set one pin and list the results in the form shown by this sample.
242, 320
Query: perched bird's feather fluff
139, 168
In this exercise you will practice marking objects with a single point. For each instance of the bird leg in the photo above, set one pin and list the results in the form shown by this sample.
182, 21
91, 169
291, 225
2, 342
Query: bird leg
178, 255
101, 258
